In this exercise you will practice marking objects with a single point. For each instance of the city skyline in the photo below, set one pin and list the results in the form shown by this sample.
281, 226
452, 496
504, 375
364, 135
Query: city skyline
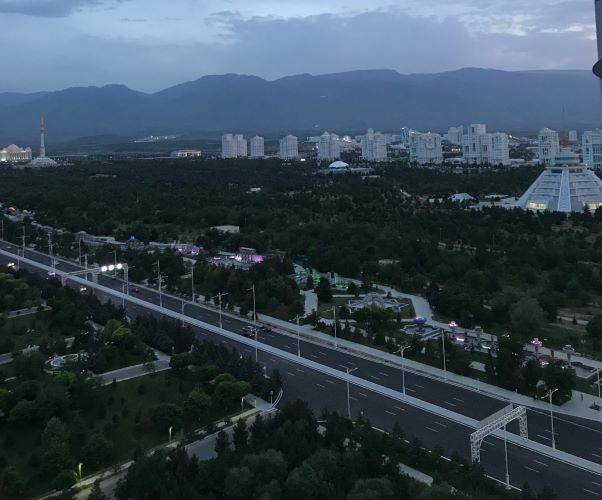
443, 36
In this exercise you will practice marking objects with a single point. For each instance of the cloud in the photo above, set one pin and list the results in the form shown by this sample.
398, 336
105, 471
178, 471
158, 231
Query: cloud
50, 8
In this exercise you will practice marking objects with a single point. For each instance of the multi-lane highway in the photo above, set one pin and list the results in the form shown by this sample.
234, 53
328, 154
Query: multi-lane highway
580, 437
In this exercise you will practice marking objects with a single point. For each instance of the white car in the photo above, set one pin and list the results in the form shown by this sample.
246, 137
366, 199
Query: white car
11, 265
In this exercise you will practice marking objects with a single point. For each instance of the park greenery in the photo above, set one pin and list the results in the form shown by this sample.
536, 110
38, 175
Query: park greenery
293, 456
505, 270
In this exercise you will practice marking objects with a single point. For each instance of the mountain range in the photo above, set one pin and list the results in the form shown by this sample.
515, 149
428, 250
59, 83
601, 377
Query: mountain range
519, 101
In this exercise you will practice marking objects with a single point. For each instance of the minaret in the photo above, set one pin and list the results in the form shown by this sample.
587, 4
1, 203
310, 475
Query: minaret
42, 146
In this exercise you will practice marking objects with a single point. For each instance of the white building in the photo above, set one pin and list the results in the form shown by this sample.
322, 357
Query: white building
591, 145
257, 147
426, 149
455, 135
329, 147
186, 153
241, 146
480, 147
374, 146
229, 149
573, 137
15, 154
549, 145
564, 186
289, 148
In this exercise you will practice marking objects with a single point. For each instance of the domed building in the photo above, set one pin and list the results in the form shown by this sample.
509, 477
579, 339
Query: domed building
338, 165
565, 186
14, 154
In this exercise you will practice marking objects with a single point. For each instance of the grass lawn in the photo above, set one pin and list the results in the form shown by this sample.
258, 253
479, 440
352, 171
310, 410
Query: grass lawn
19, 324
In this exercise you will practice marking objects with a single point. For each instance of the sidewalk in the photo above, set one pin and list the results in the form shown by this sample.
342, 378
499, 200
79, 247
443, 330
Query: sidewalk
135, 371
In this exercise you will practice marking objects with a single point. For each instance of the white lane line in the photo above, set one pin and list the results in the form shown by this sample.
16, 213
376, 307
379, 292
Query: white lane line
440, 424
321, 386
449, 404
410, 390
362, 394
344, 366
383, 374
458, 400
419, 386
597, 456
591, 492
354, 399
532, 470
488, 443
287, 346
351, 363
543, 437
431, 429
329, 381
540, 463
399, 408
322, 353
299, 370
291, 374
374, 377
597, 484
313, 356
390, 413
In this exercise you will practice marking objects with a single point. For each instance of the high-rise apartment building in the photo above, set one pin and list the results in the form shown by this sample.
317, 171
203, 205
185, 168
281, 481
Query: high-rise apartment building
257, 147
374, 146
548, 145
234, 146
289, 148
241, 145
591, 145
480, 147
329, 147
455, 135
573, 137
426, 149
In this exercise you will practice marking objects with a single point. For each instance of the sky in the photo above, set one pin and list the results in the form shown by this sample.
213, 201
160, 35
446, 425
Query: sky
149, 45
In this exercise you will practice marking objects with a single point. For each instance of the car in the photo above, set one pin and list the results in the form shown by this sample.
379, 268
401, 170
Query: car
11, 265
264, 329
83, 289
249, 331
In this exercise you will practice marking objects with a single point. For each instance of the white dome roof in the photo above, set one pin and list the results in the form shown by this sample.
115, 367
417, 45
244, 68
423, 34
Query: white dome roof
339, 164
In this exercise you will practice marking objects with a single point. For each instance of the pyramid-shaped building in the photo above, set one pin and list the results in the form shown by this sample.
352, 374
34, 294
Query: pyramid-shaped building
565, 186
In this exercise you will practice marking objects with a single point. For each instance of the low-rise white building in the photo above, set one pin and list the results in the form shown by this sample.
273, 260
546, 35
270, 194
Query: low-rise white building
186, 153
591, 145
15, 154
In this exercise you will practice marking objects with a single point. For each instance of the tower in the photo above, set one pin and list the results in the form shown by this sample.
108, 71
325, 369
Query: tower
42, 146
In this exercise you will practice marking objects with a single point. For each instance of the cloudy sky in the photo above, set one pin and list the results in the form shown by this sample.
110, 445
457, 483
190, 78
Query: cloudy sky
151, 44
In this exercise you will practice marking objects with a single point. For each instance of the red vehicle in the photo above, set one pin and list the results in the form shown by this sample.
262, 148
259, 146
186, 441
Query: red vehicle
249, 331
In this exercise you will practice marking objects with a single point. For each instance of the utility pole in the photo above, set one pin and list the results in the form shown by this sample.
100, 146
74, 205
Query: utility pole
192, 284
403, 368
23, 242
444, 361
79, 244
334, 317
159, 283
549, 395
348, 397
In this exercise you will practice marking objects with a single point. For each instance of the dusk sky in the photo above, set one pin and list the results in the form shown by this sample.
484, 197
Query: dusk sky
152, 44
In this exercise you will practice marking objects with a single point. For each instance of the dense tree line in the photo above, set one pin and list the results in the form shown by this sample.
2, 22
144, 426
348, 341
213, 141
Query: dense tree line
289, 456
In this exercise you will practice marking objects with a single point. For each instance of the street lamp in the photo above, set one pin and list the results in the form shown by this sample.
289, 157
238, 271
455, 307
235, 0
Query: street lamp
403, 371
297, 319
79, 470
252, 289
219, 297
334, 318
537, 344
506, 457
444, 360
170, 429
599, 402
192, 283
242, 404
549, 395
348, 397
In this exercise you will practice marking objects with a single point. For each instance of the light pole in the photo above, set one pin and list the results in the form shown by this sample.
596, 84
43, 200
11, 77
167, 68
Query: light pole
115, 260
403, 366
298, 336
506, 457
549, 395
334, 318
159, 283
23, 242
242, 404
219, 297
252, 289
79, 470
170, 429
2, 221
192, 284
599, 402
348, 397
444, 361
79, 246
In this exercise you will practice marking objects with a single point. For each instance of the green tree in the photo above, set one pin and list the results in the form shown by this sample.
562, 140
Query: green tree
368, 489
12, 485
229, 394
527, 317
56, 433
166, 415
222, 442
97, 450
239, 484
323, 291
594, 327
240, 434
180, 362
196, 404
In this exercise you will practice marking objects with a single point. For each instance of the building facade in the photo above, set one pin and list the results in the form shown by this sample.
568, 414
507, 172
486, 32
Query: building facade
591, 145
455, 135
241, 146
186, 153
257, 147
426, 149
480, 147
329, 147
374, 146
548, 145
234, 146
15, 154
573, 137
289, 148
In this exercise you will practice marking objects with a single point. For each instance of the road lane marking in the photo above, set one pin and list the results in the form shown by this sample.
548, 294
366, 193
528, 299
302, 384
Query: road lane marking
321, 386
383, 374
449, 404
543, 437
440, 424
362, 394
322, 353
399, 408
329, 381
597, 484
419, 386
458, 400
597, 456
431, 429
343, 366
291, 374
313, 356
488, 443
374, 377
390, 413
354, 399
410, 390
300, 370
591, 492
531, 469
272, 360
540, 463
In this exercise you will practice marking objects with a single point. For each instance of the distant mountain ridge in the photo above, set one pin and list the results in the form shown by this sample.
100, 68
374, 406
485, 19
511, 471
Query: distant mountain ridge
351, 101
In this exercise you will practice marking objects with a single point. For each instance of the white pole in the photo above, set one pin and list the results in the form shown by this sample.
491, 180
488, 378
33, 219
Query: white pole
123, 296
254, 309
219, 295
23, 242
444, 361
192, 283
552, 418
159, 276
115, 261
506, 456
299, 342
348, 398
599, 402
79, 244
334, 316
403, 371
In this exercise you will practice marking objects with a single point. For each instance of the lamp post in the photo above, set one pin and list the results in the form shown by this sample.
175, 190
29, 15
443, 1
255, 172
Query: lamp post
159, 283
170, 429
403, 371
219, 297
334, 318
506, 458
23, 242
192, 284
348, 397
549, 395
79, 246
2, 222
79, 470
252, 289
298, 336
444, 360
599, 402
